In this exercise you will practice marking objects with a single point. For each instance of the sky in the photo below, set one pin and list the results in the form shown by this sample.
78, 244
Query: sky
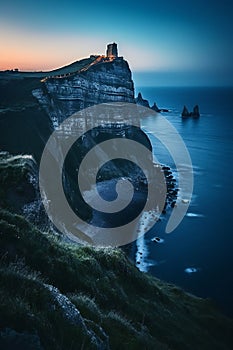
172, 42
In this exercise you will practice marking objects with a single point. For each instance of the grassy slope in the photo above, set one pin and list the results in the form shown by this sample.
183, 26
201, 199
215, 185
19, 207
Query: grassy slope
135, 310
24, 126
70, 68
15, 187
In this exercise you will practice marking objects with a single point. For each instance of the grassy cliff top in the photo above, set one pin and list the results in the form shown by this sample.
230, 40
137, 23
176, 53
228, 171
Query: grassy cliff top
70, 68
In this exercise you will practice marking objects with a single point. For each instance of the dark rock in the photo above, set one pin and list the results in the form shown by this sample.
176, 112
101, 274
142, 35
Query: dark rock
195, 112
101, 82
141, 101
10, 339
155, 108
185, 112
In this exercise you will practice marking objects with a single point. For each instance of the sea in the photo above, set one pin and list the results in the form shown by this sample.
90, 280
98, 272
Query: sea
198, 254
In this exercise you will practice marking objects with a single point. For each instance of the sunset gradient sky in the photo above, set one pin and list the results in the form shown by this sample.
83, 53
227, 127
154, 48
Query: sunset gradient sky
165, 42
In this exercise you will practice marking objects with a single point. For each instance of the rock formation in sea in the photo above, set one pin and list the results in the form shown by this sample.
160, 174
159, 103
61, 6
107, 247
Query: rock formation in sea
139, 100
185, 112
155, 108
195, 113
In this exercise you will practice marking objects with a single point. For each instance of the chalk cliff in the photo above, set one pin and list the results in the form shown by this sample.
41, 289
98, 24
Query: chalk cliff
102, 81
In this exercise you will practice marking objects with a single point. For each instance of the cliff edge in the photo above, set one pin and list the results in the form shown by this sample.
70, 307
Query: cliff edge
100, 82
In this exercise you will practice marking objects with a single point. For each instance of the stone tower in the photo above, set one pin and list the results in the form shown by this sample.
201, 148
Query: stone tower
112, 50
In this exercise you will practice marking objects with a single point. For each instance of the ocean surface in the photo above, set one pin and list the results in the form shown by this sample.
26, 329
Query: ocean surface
198, 254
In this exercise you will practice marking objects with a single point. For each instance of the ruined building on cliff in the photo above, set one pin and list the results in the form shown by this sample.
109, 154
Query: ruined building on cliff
111, 51
103, 79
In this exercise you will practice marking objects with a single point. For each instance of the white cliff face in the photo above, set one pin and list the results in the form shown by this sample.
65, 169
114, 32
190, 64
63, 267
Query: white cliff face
106, 81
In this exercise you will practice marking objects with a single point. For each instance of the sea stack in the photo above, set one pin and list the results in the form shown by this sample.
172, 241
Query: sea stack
195, 113
141, 101
185, 112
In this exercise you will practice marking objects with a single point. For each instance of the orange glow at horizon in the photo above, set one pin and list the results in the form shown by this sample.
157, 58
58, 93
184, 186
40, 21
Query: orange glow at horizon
40, 51
33, 58
32, 62
43, 51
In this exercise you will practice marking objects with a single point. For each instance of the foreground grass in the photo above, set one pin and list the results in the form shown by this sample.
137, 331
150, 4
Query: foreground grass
133, 309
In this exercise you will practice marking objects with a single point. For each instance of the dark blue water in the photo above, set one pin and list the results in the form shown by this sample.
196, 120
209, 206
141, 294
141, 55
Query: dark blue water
204, 239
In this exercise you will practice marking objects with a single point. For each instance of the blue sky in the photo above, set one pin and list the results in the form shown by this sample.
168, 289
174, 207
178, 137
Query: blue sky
165, 42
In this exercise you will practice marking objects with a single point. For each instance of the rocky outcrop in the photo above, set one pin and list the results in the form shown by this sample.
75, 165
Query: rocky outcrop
155, 108
20, 189
139, 100
195, 113
102, 81
185, 112
71, 315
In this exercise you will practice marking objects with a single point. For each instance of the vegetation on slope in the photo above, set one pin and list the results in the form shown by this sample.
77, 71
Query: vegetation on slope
70, 68
60, 296
133, 309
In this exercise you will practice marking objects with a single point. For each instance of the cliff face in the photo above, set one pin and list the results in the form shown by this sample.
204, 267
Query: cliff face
102, 81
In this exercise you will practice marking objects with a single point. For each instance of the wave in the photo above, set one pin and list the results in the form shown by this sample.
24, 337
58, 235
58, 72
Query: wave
194, 215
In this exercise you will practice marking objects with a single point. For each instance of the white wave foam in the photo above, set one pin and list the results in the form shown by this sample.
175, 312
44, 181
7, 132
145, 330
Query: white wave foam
194, 215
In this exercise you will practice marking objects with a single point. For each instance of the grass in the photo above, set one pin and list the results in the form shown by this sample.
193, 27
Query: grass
44, 282
135, 310
15, 186
70, 68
